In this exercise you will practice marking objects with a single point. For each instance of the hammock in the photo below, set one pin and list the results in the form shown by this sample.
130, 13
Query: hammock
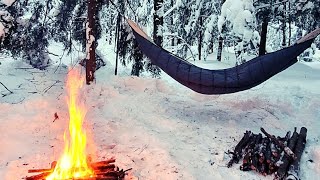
231, 80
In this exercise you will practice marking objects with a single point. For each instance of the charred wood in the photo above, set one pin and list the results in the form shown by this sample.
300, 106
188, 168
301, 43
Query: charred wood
293, 173
286, 160
104, 170
286, 149
237, 154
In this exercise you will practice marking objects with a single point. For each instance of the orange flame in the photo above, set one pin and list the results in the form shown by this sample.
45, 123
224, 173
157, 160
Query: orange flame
73, 162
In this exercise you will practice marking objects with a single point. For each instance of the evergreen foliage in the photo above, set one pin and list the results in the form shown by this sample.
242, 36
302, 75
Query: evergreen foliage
188, 28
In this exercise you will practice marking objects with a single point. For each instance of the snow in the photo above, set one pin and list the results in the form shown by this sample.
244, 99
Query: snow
2, 30
156, 126
8, 2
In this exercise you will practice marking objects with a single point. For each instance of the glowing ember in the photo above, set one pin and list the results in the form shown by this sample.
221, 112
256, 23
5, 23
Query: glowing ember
73, 162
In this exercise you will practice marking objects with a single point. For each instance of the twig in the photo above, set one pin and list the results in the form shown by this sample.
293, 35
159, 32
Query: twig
21, 100
24, 68
48, 88
6, 88
60, 59
144, 147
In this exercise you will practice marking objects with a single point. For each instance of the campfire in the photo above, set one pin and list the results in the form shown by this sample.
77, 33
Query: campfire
74, 163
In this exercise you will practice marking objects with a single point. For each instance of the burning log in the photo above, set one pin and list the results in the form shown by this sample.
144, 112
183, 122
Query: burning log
237, 154
39, 176
103, 170
293, 173
39, 170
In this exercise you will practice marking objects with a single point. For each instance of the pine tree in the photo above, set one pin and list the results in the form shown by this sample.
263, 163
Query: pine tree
210, 28
28, 38
263, 17
79, 21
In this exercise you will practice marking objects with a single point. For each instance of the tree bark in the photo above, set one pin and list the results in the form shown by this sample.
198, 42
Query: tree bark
263, 35
289, 19
200, 37
157, 22
172, 25
220, 46
118, 28
284, 43
91, 54
137, 66
219, 56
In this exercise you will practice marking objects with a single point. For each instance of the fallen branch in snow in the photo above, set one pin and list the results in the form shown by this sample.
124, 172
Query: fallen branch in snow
6, 89
24, 68
48, 88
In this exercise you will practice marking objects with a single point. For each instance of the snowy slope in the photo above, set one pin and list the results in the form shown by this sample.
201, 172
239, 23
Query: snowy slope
156, 126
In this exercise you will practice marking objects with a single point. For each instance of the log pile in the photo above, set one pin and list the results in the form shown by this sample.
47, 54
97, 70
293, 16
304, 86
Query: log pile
269, 154
104, 170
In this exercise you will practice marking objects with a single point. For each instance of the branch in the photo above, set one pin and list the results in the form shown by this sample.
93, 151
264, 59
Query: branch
48, 88
183, 44
269, 5
6, 88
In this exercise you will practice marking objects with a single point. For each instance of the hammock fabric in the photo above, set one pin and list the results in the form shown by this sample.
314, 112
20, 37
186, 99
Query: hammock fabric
231, 80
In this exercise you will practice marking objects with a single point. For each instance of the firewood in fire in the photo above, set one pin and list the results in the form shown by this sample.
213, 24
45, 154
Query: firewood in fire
39, 176
104, 170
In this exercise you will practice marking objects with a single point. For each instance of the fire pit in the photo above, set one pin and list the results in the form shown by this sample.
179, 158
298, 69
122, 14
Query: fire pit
74, 163
103, 170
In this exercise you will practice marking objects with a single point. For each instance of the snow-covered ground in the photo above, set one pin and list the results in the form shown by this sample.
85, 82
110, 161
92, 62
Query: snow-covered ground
156, 126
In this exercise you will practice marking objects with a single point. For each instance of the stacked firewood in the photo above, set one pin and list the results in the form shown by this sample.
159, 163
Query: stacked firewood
270, 154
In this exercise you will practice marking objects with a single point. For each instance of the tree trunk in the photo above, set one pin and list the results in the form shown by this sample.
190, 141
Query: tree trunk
220, 48
263, 39
172, 25
289, 18
118, 28
137, 66
200, 37
91, 54
157, 22
284, 43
